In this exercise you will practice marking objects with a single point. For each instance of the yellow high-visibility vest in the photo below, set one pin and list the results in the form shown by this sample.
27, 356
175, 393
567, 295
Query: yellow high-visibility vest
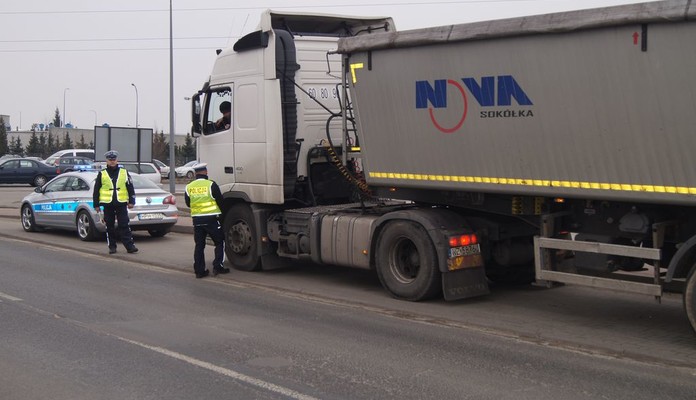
106, 193
201, 198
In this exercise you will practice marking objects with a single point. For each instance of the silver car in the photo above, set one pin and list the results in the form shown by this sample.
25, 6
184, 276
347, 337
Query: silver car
66, 203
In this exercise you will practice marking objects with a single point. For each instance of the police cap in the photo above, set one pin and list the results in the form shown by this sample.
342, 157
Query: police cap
111, 155
200, 167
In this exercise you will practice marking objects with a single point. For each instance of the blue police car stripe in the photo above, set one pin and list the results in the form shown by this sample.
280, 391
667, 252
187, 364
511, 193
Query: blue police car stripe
60, 206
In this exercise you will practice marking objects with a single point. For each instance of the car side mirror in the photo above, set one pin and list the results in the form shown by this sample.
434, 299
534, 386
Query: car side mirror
38, 190
196, 115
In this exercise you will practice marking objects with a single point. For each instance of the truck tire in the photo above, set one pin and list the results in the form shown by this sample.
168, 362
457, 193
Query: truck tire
406, 262
690, 298
241, 244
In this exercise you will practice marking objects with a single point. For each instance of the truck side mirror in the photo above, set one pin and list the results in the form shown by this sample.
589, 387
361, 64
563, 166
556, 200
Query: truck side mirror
196, 115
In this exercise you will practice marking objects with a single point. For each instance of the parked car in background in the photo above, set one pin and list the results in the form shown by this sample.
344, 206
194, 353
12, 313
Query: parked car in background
8, 156
144, 169
67, 164
52, 159
163, 168
66, 203
23, 170
186, 170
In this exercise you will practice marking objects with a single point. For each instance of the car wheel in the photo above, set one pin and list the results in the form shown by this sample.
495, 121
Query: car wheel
241, 245
28, 219
86, 229
157, 232
39, 180
406, 262
190, 174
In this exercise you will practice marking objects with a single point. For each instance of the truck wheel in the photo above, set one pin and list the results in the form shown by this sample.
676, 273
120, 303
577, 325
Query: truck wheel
241, 246
690, 298
406, 262
85, 227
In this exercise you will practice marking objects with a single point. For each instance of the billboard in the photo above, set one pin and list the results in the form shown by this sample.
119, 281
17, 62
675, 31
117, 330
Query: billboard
132, 144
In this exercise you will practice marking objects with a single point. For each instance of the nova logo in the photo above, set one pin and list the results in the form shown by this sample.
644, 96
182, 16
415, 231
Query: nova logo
486, 94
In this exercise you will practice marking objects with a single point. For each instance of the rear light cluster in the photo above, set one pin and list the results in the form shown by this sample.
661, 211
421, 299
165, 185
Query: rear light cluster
170, 200
463, 240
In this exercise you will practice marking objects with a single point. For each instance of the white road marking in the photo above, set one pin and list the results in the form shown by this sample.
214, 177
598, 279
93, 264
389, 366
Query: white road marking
222, 371
8, 297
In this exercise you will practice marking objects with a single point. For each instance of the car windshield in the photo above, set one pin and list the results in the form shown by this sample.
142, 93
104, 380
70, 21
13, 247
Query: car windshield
140, 182
191, 163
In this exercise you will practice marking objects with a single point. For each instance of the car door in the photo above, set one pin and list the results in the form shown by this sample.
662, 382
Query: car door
68, 198
8, 171
26, 171
46, 206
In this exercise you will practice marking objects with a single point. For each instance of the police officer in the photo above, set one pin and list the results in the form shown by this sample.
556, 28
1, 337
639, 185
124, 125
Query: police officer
204, 198
113, 190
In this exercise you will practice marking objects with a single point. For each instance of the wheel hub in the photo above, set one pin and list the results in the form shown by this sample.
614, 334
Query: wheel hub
240, 238
405, 261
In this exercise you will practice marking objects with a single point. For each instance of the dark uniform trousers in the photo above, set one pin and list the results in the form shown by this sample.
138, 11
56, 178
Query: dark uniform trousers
112, 213
202, 227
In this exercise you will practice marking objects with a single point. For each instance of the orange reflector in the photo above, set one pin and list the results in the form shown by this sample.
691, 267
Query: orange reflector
559, 200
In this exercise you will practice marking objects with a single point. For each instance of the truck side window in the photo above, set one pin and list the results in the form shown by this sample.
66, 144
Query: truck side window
219, 111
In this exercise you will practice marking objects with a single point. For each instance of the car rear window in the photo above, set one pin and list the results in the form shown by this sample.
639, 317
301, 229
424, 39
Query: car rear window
147, 169
140, 182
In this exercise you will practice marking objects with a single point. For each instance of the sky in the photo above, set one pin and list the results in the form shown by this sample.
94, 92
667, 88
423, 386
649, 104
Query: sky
84, 56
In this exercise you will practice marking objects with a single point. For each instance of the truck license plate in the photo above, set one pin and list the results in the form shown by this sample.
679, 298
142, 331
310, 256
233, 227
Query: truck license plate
150, 216
464, 250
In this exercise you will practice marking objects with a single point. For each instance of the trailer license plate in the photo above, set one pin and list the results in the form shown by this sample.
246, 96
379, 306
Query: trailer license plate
464, 250
150, 216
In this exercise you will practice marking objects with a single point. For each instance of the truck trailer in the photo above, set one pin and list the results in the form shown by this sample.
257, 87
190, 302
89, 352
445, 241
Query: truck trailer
549, 149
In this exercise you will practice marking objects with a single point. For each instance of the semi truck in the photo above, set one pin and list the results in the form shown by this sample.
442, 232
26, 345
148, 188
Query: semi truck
549, 149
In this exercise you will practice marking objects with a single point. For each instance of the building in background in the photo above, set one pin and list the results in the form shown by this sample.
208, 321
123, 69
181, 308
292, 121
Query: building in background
6, 119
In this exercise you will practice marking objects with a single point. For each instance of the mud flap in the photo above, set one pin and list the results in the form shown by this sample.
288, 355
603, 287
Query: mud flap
464, 283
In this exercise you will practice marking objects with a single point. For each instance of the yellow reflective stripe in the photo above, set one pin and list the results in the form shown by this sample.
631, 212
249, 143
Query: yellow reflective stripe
625, 187
353, 67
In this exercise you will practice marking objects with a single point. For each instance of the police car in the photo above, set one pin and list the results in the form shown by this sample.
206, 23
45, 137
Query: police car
66, 203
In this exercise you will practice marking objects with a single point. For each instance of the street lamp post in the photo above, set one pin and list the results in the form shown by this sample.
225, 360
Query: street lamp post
136, 104
95, 117
172, 161
64, 119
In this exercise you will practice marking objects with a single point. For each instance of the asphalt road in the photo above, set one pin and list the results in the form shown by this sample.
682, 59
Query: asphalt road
87, 326
374, 339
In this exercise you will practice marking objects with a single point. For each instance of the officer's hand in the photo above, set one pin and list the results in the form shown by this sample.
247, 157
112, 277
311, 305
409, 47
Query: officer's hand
131, 205
97, 209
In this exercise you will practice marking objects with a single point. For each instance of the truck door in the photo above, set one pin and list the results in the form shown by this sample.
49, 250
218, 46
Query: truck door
217, 147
